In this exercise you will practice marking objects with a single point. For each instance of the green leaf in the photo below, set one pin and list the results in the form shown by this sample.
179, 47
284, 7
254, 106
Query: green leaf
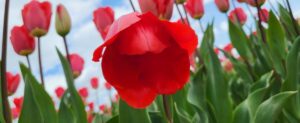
287, 22
179, 117
128, 114
114, 119
277, 44
37, 106
263, 82
270, 109
65, 112
75, 100
217, 87
292, 81
240, 41
156, 117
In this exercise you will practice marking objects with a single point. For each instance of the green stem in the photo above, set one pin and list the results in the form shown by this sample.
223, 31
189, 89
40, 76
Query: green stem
67, 49
132, 6
181, 17
40, 61
186, 15
5, 105
28, 62
167, 109
261, 28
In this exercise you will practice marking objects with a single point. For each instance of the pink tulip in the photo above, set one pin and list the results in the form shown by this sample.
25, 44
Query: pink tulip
195, 8
264, 15
83, 92
77, 64
94, 82
22, 42
13, 82
161, 8
103, 18
59, 92
238, 16
223, 5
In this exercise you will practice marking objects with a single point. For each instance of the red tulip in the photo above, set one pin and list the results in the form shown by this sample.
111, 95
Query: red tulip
90, 117
228, 48
59, 92
94, 82
145, 56
107, 86
18, 102
102, 107
91, 106
22, 42
15, 113
223, 5
195, 8
238, 16
264, 15
36, 17
180, 1
116, 98
13, 82
227, 65
103, 18
83, 92
62, 20
217, 51
253, 2
77, 64
161, 8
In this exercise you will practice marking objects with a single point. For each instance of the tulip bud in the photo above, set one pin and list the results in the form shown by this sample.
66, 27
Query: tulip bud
22, 42
180, 1
107, 86
161, 8
195, 8
102, 108
36, 17
62, 21
238, 16
18, 102
91, 106
13, 82
77, 64
59, 92
83, 92
264, 15
253, 2
94, 82
223, 5
103, 18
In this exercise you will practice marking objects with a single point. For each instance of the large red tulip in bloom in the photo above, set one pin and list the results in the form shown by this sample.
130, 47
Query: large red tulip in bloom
253, 2
223, 5
94, 82
145, 56
195, 8
36, 17
238, 15
161, 8
13, 82
59, 91
22, 42
77, 64
103, 18
264, 15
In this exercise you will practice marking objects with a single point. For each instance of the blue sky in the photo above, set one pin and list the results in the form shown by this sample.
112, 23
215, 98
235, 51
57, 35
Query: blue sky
84, 37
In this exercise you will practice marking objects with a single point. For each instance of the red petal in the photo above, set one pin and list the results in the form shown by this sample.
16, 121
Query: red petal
148, 35
119, 25
187, 40
138, 97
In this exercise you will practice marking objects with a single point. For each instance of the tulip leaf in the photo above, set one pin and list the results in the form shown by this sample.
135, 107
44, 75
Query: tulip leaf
263, 82
37, 106
179, 117
114, 119
277, 44
75, 100
128, 114
240, 41
270, 109
287, 22
65, 113
217, 87
292, 81
156, 117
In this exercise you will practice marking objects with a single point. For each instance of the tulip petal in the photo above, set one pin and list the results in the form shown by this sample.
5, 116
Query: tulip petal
138, 97
188, 40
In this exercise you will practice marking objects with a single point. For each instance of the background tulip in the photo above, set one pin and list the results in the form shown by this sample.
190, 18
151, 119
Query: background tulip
253, 2
62, 20
59, 91
77, 64
238, 16
91, 106
103, 18
36, 17
264, 15
223, 5
13, 82
22, 42
83, 92
94, 82
228, 48
161, 8
195, 8
107, 86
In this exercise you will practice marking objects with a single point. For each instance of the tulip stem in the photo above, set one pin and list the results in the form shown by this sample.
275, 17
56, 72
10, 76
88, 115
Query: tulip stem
132, 6
292, 17
249, 9
201, 26
67, 49
40, 61
186, 15
181, 17
4, 95
167, 108
28, 62
261, 28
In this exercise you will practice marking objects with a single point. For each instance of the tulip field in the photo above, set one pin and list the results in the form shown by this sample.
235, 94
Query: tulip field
157, 69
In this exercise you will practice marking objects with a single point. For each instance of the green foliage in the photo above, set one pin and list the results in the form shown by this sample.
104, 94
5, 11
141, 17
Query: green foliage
128, 114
